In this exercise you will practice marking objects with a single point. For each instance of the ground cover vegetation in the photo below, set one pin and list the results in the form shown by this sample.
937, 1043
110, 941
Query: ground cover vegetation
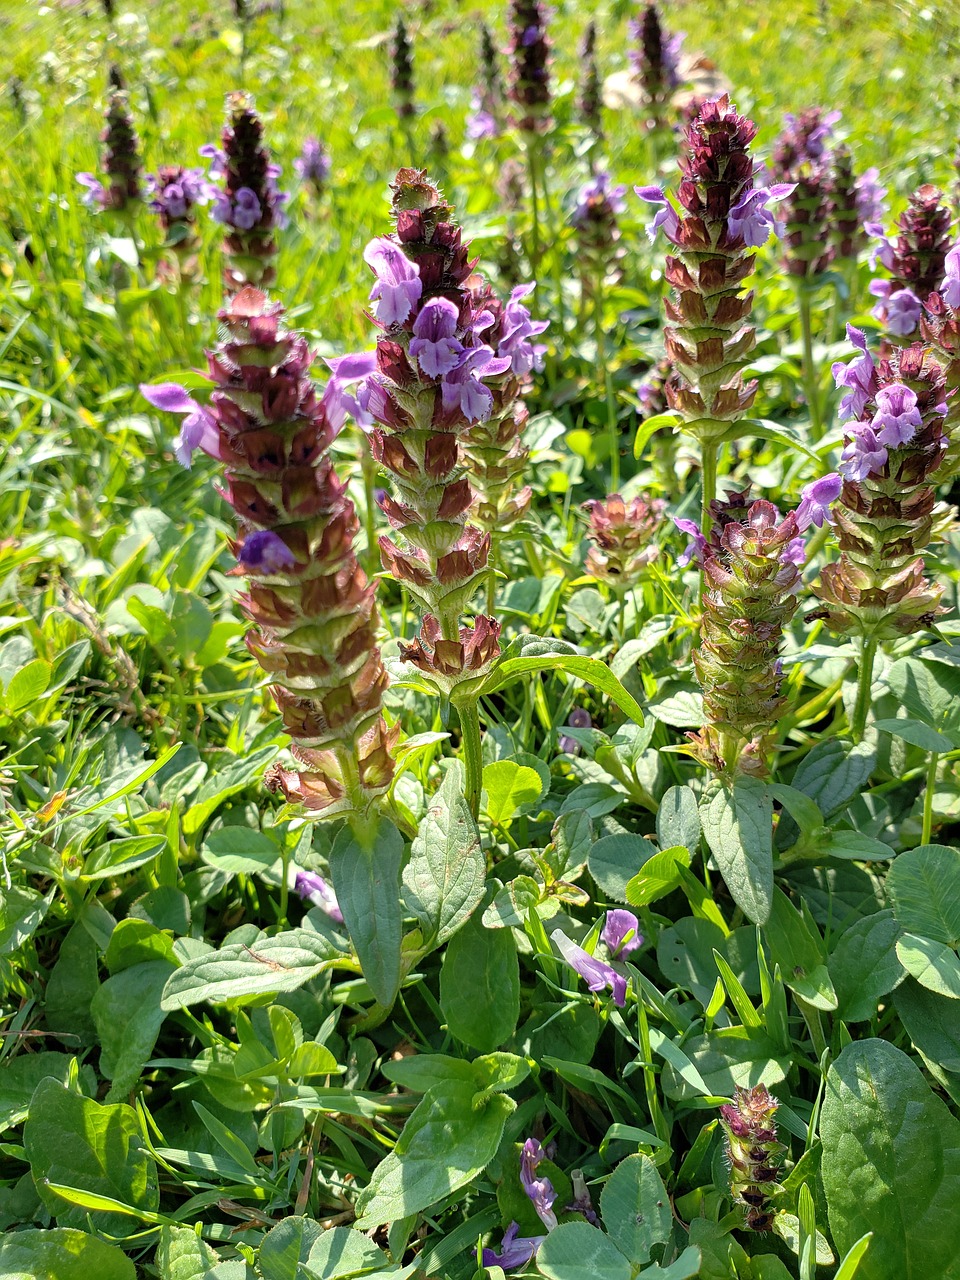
479, 694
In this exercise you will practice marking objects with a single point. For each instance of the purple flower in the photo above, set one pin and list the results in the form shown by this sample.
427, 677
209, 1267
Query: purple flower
397, 286
795, 552
176, 191
899, 309
858, 375
539, 1190
480, 123
750, 219
579, 718
814, 140
870, 197
434, 346
696, 546
313, 164
516, 330
338, 401
515, 1251
266, 552
666, 216
581, 1202
246, 209
199, 431
597, 974
462, 389
815, 501
897, 416
598, 188
621, 932
96, 195
951, 280
863, 456
217, 157
315, 890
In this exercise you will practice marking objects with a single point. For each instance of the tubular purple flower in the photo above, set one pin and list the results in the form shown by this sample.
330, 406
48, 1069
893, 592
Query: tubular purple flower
517, 329
339, 401
96, 195
398, 286
795, 553
870, 196
666, 216
695, 547
313, 164
751, 220
539, 1190
897, 417
433, 345
515, 1251
900, 309
864, 454
950, 289
859, 375
621, 932
217, 157
599, 187
198, 430
595, 973
579, 718
462, 389
816, 499
265, 552
315, 890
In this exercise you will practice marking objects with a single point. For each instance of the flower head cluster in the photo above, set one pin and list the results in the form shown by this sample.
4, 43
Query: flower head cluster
800, 157
121, 161
598, 204
313, 609
855, 206
624, 538
313, 164
620, 935
486, 105
915, 258
656, 62
449, 359
751, 569
753, 1152
893, 448
940, 329
723, 215
590, 97
249, 203
401, 69
529, 89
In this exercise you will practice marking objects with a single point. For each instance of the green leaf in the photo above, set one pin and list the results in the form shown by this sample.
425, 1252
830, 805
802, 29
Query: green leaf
184, 1255
223, 785
929, 691
366, 878
683, 1268
443, 881
636, 1208
924, 887
615, 860
509, 788
726, 1058
239, 851
738, 826
21, 914
20, 1075
300, 1249
26, 686
657, 877
834, 772
767, 430
444, 1145
128, 1016
480, 985
864, 966
135, 941
796, 946
932, 1022
575, 1250
76, 1142
267, 967
71, 986
650, 425
933, 964
63, 1254
891, 1165
592, 670
117, 857
917, 733
678, 820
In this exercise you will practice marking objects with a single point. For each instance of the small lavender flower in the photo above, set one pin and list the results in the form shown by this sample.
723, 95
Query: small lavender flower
898, 309
313, 165
621, 932
581, 1202
753, 1152
515, 1250
656, 62
915, 259
597, 975
539, 1190
950, 285
579, 718
401, 70
487, 101
858, 374
598, 204
397, 288
816, 502
315, 890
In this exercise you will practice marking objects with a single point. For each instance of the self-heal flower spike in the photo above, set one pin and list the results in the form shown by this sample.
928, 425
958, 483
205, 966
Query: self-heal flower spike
313, 164
313, 610
487, 103
121, 161
751, 564
590, 98
655, 56
885, 516
940, 328
624, 537
753, 1153
175, 194
800, 157
401, 70
529, 53
915, 259
854, 206
599, 203
249, 203
597, 975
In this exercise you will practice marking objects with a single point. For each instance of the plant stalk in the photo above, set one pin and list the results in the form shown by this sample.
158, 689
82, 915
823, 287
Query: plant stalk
468, 712
809, 369
864, 686
927, 828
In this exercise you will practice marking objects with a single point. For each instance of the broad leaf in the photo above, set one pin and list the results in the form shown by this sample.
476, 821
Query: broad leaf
575, 1250
266, 967
509, 788
738, 826
366, 878
864, 966
443, 881
128, 1015
63, 1254
636, 1208
480, 985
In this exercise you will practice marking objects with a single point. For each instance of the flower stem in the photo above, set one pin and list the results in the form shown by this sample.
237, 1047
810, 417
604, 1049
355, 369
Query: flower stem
492, 572
534, 253
613, 435
864, 686
469, 714
369, 469
927, 829
809, 369
708, 482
